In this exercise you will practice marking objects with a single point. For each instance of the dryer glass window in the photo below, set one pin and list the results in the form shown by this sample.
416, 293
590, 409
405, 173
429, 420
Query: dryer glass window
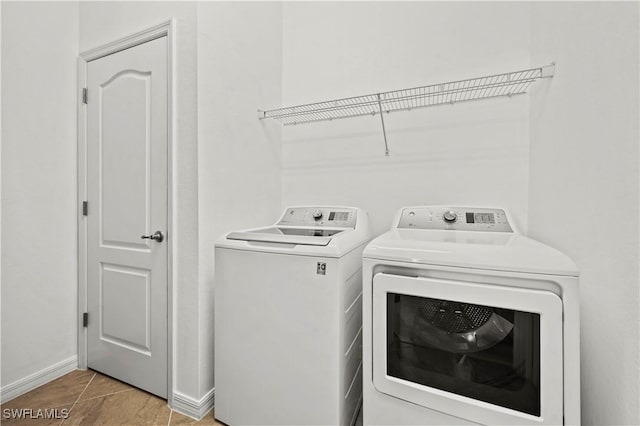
481, 352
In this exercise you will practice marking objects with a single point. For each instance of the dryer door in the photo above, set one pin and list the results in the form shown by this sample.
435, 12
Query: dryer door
486, 353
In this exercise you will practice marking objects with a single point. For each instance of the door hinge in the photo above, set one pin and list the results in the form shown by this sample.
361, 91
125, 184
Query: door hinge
85, 208
84, 95
85, 319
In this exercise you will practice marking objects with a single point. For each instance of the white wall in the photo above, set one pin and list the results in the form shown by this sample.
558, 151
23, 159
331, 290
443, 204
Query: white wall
239, 70
583, 195
228, 163
571, 146
39, 265
102, 22
238, 169
578, 134
474, 153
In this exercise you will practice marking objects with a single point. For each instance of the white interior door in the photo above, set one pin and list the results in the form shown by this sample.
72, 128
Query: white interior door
127, 113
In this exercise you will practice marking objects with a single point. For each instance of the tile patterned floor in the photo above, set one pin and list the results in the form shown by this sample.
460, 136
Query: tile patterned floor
91, 398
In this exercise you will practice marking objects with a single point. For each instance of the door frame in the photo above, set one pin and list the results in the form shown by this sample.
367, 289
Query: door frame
164, 29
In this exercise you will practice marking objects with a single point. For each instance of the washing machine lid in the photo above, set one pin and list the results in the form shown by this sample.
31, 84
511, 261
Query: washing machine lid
288, 235
327, 231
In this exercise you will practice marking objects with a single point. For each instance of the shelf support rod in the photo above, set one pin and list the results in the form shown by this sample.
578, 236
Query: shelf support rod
384, 130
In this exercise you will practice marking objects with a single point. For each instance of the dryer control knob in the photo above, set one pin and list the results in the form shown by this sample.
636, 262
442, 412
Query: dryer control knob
450, 216
317, 214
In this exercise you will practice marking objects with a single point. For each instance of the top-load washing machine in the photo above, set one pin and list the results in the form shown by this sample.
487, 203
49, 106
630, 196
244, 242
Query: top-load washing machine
466, 321
288, 319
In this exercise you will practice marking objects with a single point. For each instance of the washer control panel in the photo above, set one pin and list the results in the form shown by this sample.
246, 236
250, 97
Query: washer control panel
319, 216
455, 218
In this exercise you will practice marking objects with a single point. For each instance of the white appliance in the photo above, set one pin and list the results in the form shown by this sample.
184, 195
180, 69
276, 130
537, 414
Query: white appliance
288, 319
466, 321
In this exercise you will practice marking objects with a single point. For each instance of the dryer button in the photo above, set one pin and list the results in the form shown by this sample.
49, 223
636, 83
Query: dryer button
450, 216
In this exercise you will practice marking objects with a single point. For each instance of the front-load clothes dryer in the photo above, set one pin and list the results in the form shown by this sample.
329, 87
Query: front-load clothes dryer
288, 319
466, 321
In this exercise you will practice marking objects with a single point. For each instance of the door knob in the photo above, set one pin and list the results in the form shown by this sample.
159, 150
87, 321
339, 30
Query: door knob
157, 236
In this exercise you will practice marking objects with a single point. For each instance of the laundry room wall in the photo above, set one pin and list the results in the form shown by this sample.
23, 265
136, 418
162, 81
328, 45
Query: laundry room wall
584, 192
228, 163
470, 154
239, 157
39, 267
103, 22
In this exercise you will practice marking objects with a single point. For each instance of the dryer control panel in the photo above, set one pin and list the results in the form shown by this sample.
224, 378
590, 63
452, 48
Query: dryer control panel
455, 218
334, 217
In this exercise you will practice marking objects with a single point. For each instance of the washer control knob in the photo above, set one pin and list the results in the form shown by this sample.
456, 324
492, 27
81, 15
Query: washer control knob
450, 216
317, 214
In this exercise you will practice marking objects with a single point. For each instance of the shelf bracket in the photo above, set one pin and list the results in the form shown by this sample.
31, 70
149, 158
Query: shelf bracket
384, 130
547, 71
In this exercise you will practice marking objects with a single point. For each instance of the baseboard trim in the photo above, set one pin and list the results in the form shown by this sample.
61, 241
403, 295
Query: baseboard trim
194, 408
39, 378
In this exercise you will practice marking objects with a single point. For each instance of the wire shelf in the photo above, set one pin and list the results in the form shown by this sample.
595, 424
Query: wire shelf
492, 86
506, 84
